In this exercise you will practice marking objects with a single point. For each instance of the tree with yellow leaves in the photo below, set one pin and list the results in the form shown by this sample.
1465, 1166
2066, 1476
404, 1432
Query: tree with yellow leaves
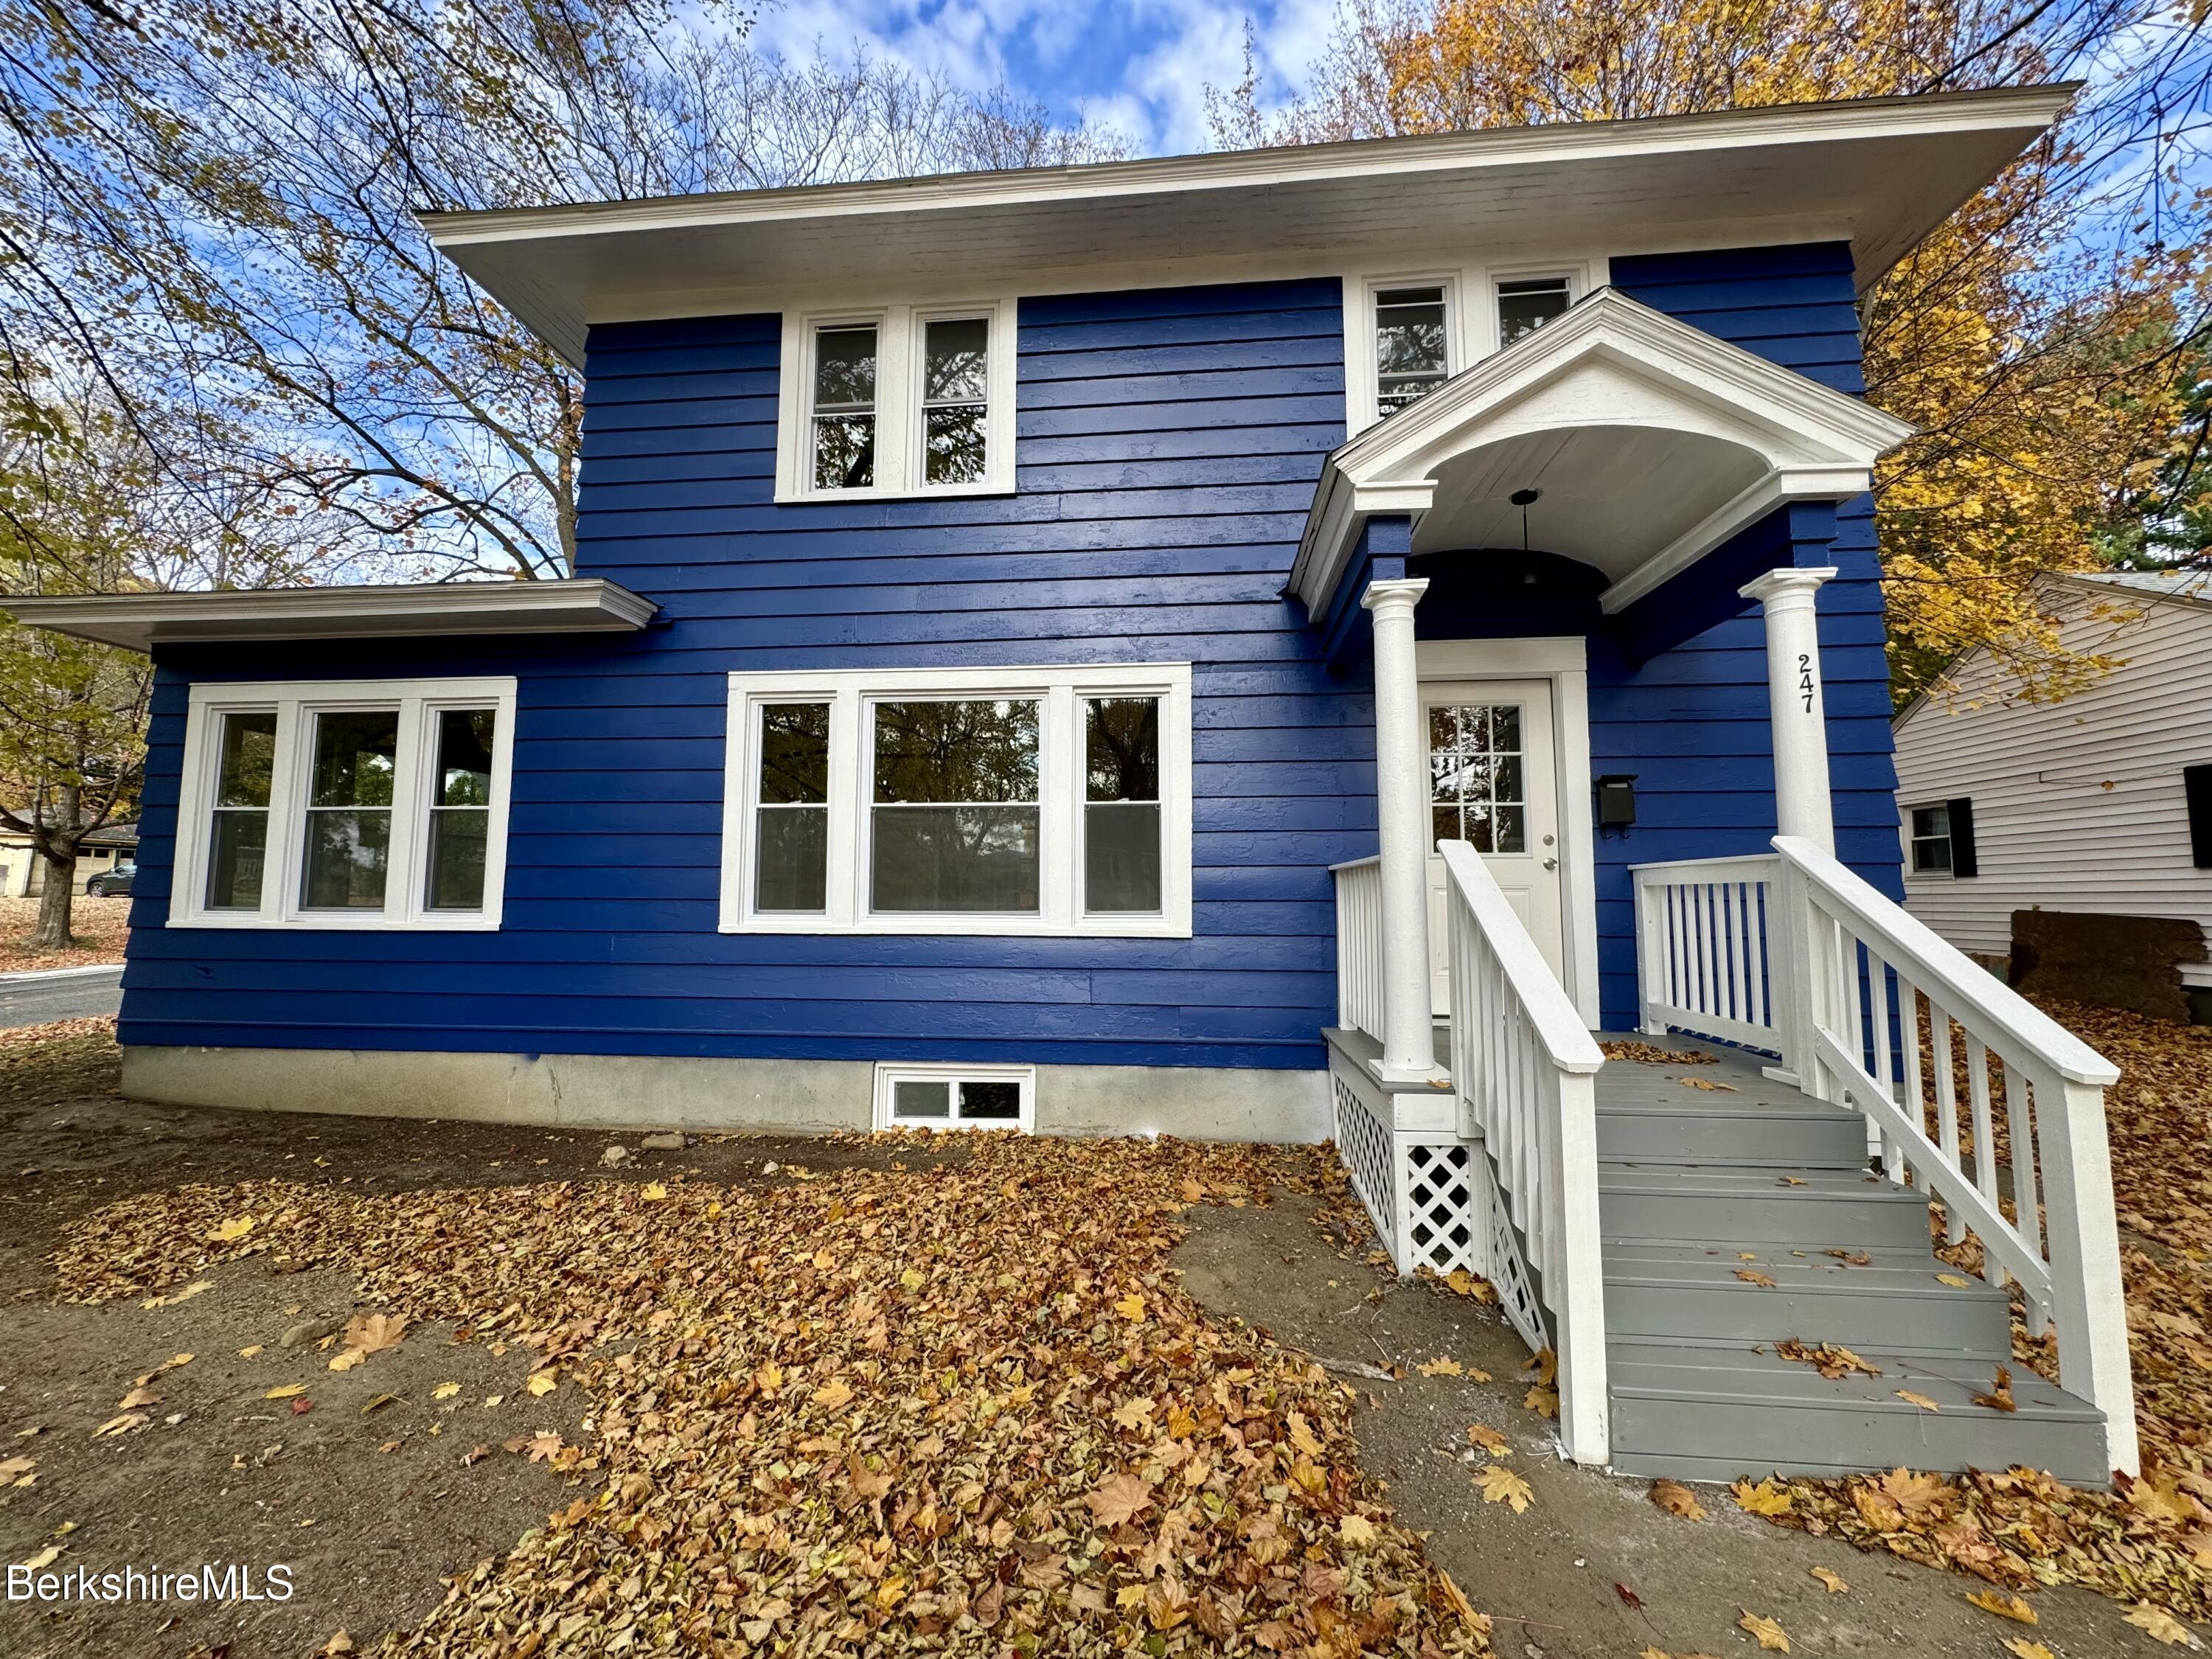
2049, 339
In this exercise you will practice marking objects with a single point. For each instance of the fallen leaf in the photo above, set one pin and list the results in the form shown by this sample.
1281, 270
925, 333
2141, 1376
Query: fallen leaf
1954, 1279
834, 1394
1628, 1597
1676, 1498
1769, 1497
1752, 1276
652, 1192
445, 1391
1441, 1367
1482, 1435
2004, 1606
1545, 1402
347, 1359
543, 1382
1999, 1398
1500, 1484
2021, 1648
1769, 1635
374, 1332
141, 1395
1356, 1530
285, 1391
303, 1405
170, 1299
1119, 1498
1920, 1399
378, 1402
250, 1350
45, 1557
123, 1424
230, 1231
341, 1642
1707, 1086
2161, 1625
1832, 1578
1130, 1308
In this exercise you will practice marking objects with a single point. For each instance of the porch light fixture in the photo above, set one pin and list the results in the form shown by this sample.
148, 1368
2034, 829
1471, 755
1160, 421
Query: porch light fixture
1524, 499
1616, 801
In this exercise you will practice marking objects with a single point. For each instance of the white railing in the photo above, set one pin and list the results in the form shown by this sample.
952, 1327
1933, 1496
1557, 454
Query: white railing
1701, 931
1869, 1009
1360, 946
1521, 1064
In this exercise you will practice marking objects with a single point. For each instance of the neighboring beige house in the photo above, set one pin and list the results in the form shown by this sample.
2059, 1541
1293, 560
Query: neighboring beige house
24, 872
2098, 805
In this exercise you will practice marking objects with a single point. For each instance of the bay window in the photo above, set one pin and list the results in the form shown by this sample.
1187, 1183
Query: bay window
344, 804
1052, 800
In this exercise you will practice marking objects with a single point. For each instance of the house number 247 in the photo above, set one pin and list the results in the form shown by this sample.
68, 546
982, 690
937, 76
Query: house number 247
1804, 687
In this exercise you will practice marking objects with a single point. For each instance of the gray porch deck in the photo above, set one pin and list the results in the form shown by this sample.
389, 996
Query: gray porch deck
1738, 1218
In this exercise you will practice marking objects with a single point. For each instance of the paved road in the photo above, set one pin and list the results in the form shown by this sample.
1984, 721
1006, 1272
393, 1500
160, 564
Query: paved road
65, 996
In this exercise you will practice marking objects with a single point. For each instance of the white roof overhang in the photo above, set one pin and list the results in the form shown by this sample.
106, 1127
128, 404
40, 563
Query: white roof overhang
1651, 443
140, 622
1880, 173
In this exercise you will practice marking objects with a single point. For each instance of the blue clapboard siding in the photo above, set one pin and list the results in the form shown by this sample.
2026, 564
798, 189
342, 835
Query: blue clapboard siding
1168, 445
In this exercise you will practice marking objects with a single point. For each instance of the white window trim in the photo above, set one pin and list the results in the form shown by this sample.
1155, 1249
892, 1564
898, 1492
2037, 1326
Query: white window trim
1062, 690
1950, 872
295, 702
898, 401
1470, 315
890, 1073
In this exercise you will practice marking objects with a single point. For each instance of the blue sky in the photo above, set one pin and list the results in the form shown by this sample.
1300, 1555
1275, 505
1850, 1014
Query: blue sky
1139, 65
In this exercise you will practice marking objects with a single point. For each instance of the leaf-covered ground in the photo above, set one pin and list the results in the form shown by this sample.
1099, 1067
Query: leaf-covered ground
98, 929
2150, 1543
961, 1408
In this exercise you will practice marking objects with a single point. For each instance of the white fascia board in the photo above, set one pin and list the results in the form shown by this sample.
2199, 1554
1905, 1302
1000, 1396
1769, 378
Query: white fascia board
1836, 438
139, 621
1352, 159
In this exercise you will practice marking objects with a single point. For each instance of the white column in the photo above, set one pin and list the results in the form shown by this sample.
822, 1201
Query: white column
1401, 808
1797, 706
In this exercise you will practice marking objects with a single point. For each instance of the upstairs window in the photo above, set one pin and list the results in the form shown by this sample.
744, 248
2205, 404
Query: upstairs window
1525, 306
844, 426
935, 800
1412, 352
344, 804
898, 401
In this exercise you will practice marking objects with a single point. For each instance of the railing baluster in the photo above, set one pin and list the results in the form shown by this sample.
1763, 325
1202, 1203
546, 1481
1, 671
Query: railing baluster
1947, 1109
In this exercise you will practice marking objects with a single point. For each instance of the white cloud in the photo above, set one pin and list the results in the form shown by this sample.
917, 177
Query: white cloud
1141, 66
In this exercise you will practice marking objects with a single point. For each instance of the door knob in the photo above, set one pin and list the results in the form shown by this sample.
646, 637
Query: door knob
1551, 864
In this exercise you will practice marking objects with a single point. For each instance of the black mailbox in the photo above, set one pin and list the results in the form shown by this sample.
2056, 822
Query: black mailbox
1616, 801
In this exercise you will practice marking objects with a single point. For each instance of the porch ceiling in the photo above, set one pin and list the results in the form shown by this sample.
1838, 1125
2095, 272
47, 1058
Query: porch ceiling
1650, 442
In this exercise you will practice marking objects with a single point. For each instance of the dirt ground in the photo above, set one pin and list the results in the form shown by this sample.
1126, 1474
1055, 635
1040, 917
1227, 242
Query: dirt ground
98, 928
374, 1508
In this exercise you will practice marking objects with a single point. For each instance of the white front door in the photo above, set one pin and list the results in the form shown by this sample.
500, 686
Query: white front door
1493, 781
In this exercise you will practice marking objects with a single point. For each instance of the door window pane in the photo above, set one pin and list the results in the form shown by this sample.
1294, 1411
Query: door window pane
1122, 810
955, 817
460, 809
1477, 788
1524, 307
955, 392
1410, 359
238, 845
348, 837
791, 851
844, 434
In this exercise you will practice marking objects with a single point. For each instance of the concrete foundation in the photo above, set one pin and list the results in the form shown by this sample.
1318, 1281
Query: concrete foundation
632, 1092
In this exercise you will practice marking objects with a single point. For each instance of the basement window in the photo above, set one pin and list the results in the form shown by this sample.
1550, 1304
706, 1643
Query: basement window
954, 1096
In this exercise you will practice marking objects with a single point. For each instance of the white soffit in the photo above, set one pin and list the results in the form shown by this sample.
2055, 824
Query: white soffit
1883, 171
140, 622
1651, 441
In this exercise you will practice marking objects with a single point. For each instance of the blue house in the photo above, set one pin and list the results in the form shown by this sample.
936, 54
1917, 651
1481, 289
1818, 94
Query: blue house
1273, 645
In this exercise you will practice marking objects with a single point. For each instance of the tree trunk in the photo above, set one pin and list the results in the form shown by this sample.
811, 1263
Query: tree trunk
57, 845
55, 900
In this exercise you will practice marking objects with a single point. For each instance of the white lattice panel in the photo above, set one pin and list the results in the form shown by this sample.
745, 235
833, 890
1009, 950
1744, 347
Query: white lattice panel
1364, 1142
1509, 1268
1425, 1190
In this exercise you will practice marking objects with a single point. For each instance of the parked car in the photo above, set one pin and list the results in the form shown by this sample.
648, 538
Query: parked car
112, 883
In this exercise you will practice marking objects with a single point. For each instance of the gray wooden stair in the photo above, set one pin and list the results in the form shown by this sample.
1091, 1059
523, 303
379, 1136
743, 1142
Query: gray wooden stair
1698, 1187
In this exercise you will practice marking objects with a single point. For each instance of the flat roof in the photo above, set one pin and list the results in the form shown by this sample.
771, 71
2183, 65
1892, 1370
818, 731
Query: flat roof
139, 621
1883, 171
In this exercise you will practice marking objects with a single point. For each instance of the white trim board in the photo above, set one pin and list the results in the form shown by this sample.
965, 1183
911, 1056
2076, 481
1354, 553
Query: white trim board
1061, 691
1564, 661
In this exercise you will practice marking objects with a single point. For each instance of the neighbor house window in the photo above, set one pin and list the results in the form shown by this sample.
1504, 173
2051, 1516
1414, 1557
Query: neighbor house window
954, 1096
1524, 307
1942, 839
957, 800
1410, 355
898, 402
344, 804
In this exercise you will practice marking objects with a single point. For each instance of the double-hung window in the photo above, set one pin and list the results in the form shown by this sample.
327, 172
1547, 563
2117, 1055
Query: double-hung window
1412, 358
902, 400
1003, 800
1525, 304
344, 804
